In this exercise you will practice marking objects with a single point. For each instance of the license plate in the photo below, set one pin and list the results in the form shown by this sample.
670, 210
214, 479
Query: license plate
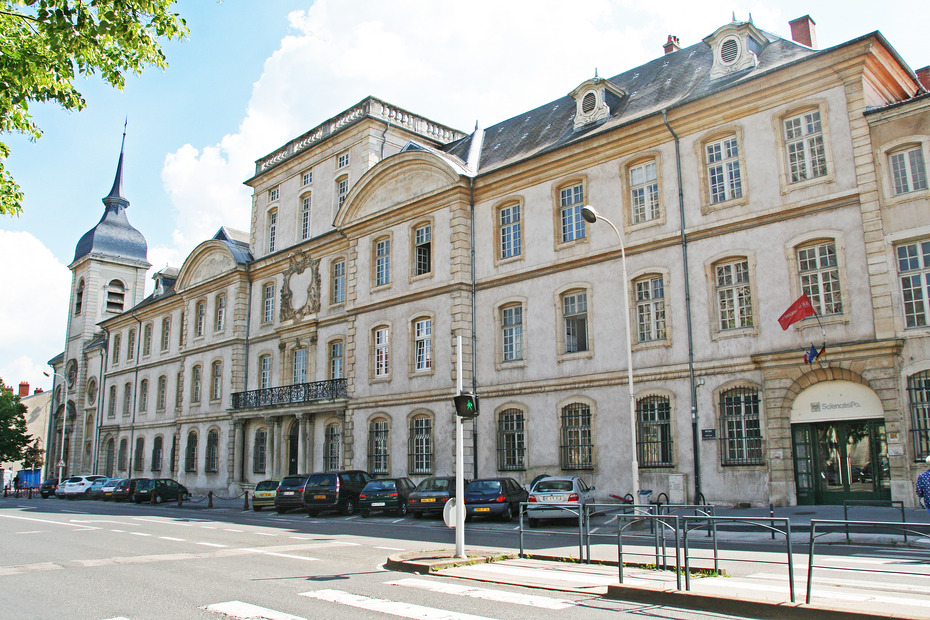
550, 498
319, 497
482, 510
288, 492
377, 503
427, 500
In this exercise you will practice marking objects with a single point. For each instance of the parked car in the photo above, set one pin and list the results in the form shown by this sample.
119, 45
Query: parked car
385, 494
48, 488
290, 493
335, 490
159, 490
78, 486
431, 495
109, 487
96, 489
264, 493
494, 497
569, 491
125, 489
60, 489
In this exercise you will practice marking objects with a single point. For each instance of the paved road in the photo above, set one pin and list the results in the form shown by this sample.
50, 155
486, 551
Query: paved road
99, 560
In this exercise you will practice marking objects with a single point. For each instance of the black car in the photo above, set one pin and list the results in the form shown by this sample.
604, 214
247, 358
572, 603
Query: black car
385, 495
125, 489
290, 495
47, 488
159, 490
334, 490
431, 495
494, 497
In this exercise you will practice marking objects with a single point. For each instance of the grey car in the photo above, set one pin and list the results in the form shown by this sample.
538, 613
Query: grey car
558, 497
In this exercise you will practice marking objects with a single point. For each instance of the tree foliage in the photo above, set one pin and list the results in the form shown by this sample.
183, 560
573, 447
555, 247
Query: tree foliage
46, 44
33, 456
13, 435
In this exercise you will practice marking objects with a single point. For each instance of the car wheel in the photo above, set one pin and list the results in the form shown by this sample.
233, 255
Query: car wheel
348, 508
87, 494
533, 522
157, 498
138, 500
508, 515
468, 518
402, 511
256, 508
365, 513
278, 509
313, 513
45, 496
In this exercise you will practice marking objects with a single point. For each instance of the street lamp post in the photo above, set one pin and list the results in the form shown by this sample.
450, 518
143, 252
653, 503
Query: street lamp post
64, 422
590, 215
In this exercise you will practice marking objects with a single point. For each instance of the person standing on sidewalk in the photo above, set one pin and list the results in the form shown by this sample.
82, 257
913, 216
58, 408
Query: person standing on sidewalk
923, 488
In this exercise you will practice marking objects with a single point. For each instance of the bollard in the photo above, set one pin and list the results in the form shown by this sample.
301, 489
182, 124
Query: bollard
245, 500
180, 498
152, 497
210, 499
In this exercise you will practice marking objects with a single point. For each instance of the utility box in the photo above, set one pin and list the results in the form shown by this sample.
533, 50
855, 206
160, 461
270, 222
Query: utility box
677, 493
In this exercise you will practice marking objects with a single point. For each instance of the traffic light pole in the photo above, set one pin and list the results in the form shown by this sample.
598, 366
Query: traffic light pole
459, 461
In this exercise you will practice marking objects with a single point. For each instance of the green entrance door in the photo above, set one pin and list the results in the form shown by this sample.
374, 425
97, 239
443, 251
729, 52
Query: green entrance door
835, 461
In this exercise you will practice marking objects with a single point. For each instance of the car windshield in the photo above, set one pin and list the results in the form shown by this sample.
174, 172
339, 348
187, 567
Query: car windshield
434, 484
266, 485
485, 485
557, 486
144, 485
292, 481
75, 479
321, 481
380, 485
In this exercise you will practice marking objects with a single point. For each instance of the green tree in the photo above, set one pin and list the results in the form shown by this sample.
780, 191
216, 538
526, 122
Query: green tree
13, 435
46, 44
33, 456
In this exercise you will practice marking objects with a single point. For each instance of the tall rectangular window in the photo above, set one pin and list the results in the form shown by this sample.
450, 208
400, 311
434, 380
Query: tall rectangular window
339, 282
342, 190
908, 170
654, 432
162, 393
511, 441
511, 238
212, 457
143, 395
382, 352
114, 354
378, 447
382, 262
742, 429
127, 399
650, 309
644, 192
914, 274
423, 338
196, 380
299, 374
335, 359
157, 448
305, 217
258, 451
165, 333
575, 318
421, 445
264, 376
200, 317
807, 158
219, 320
724, 179
423, 250
512, 333
820, 277
306, 178
147, 340
571, 199
268, 304
139, 457
734, 301
577, 447
216, 382
131, 345
272, 231
331, 444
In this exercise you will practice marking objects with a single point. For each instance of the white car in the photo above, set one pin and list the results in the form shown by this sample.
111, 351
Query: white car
77, 486
558, 497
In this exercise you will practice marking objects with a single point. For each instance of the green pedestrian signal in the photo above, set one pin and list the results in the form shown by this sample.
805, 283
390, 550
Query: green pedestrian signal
466, 405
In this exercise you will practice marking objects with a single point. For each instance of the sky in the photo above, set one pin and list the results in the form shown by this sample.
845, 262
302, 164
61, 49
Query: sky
254, 74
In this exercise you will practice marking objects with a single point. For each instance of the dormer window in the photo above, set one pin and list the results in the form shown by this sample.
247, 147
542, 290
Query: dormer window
593, 99
736, 47
729, 51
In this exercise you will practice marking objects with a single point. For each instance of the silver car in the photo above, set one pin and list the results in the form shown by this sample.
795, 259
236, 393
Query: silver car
558, 497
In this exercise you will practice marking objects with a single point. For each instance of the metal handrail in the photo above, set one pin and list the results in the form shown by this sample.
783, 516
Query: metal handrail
883, 503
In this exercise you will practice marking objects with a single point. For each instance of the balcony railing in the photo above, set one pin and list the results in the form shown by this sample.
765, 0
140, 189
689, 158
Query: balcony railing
290, 394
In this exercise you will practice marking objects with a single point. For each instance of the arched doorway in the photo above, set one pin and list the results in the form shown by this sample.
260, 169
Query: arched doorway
110, 458
838, 443
292, 443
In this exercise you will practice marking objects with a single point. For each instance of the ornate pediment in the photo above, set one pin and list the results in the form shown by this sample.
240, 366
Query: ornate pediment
300, 293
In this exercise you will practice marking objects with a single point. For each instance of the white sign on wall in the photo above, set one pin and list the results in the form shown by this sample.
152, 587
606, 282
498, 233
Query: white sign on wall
836, 400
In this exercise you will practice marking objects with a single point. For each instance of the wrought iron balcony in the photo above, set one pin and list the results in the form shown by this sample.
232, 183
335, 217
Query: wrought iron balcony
290, 394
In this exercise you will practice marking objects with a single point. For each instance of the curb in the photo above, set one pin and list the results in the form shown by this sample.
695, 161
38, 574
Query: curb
426, 562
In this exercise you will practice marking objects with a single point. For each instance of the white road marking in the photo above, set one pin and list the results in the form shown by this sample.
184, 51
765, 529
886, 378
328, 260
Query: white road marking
172, 538
300, 537
83, 527
75, 512
498, 596
28, 568
139, 534
394, 608
208, 527
244, 611
264, 534
588, 579
207, 544
229, 529
33, 532
283, 555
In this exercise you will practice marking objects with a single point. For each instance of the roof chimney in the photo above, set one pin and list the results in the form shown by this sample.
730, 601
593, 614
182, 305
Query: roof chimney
23, 389
923, 76
38, 391
802, 31
671, 45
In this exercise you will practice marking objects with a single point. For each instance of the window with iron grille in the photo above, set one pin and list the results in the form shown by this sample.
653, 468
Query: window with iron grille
723, 172
511, 440
577, 448
734, 300
571, 199
918, 396
382, 262
336, 349
654, 432
139, 458
650, 309
741, 427
908, 171
382, 346
258, 451
575, 317
331, 445
421, 445
378, 456
305, 217
644, 192
190, 457
512, 333
914, 274
807, 157
339, 282
423, 338
510, 231
219, 321
820, 277
212, 457
157, 448
423, 250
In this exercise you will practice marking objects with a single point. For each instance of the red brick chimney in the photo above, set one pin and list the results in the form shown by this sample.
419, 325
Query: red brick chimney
923, 76
37, 391
671, 45
23, 389
802, 31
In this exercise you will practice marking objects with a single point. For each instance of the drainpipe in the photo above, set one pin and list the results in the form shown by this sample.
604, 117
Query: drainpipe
245, 374
100, 392
135, 395
474, 334
695, 441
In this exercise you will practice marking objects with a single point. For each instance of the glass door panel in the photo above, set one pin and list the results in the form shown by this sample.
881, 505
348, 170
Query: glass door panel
858, 471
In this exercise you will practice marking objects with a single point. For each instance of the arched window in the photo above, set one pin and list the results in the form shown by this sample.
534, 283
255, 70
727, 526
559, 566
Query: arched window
201, 317
272, 230
157, 448
258, 451
162, 393
121, 460
139, 458
117, 343
110, 459
111, 405
190, 454
116, 296
165, 333
79, 297
420, 445
147, 340
127, 398
143, 395
212, 456
305, 203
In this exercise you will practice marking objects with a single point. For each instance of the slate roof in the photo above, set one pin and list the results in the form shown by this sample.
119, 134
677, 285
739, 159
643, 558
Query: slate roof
667, 81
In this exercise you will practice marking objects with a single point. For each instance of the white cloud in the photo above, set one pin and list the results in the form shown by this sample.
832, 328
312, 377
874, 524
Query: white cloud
35, 294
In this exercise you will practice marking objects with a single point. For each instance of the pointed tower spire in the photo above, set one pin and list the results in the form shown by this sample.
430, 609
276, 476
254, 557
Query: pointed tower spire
115, 197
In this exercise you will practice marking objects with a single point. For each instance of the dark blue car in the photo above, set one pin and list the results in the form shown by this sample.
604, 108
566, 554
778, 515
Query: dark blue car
494, 497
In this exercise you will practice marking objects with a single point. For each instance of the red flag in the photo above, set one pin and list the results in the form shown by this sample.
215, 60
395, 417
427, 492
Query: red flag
800, 309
